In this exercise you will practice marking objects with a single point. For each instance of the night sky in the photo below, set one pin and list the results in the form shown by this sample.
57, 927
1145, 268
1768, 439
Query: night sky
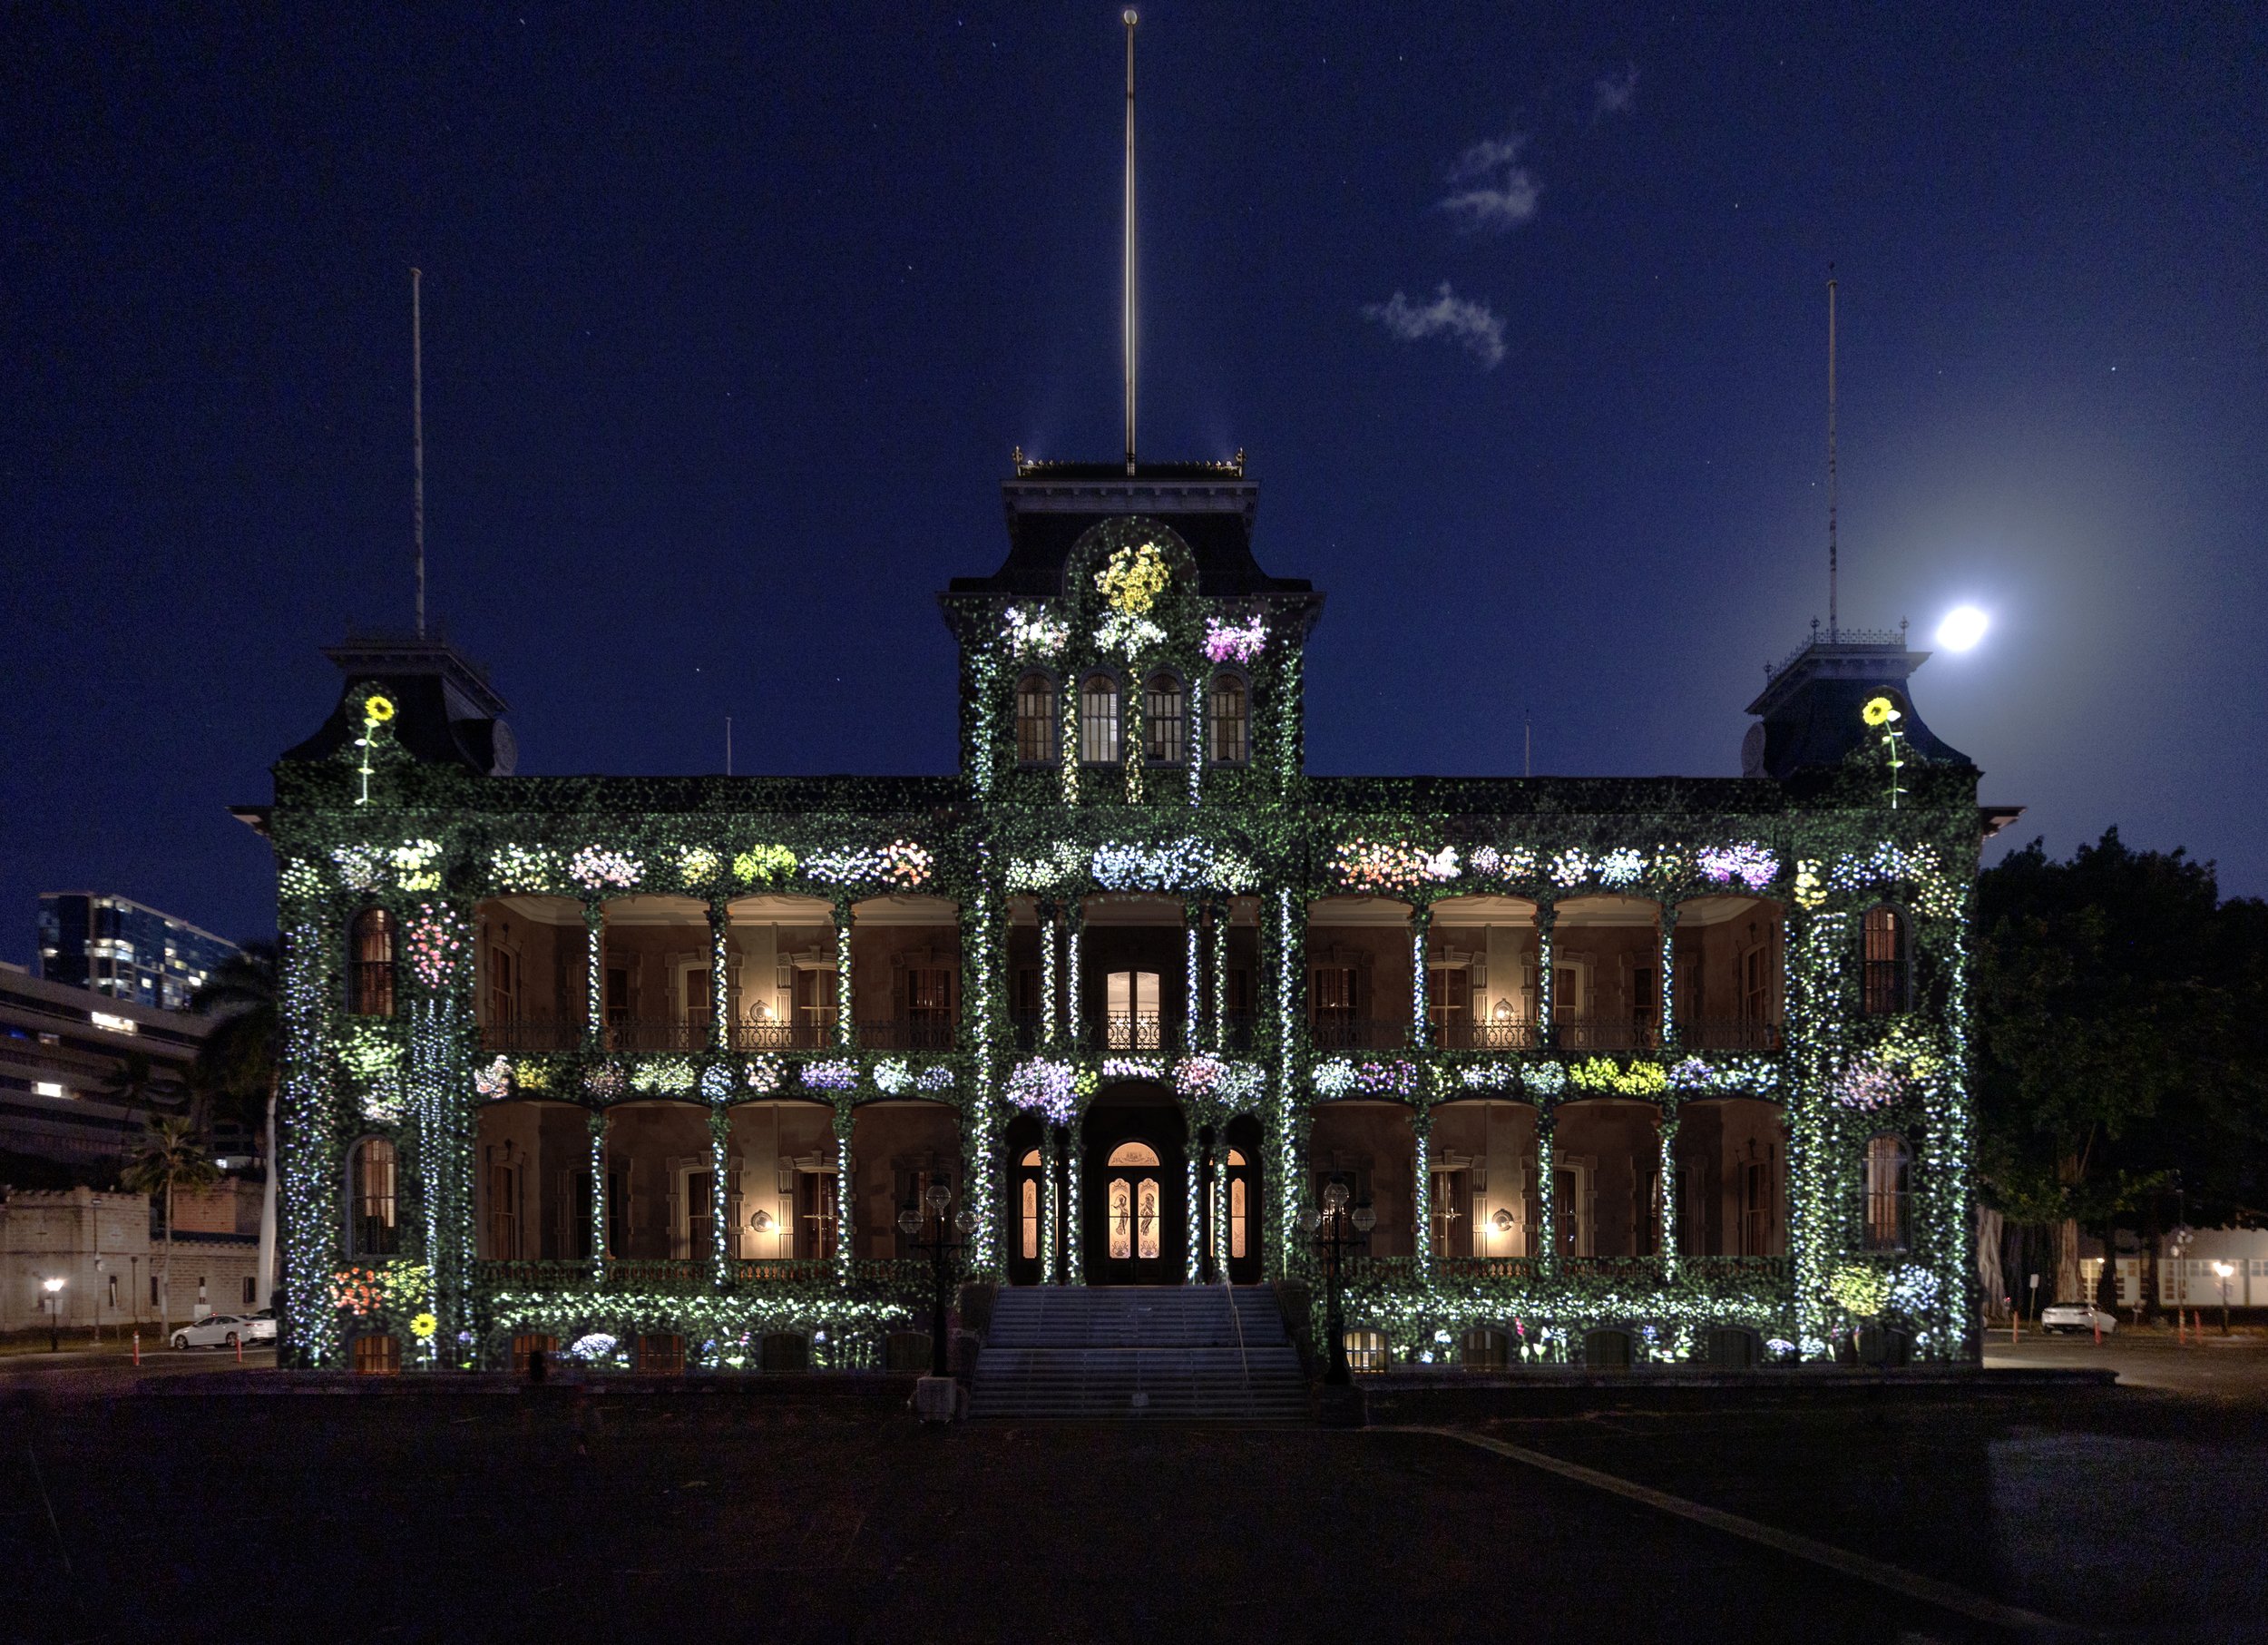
730, 327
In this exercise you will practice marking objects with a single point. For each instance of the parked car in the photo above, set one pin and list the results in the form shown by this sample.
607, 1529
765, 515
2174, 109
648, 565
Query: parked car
2076, 1317
224, 1330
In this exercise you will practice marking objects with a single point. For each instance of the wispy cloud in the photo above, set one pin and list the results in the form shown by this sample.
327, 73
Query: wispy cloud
1499, 193
1473, 326
1613, 93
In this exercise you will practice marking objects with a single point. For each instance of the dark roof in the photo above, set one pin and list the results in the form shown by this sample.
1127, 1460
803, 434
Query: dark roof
1050, 506
446, 710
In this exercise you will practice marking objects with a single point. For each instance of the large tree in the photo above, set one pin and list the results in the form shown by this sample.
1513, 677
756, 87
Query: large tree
236, 1064
170, 1160
2118, 1041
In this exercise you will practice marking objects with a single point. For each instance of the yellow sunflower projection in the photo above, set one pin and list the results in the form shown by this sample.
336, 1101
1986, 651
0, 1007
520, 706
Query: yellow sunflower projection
1879, 712
378, 710
424, 1325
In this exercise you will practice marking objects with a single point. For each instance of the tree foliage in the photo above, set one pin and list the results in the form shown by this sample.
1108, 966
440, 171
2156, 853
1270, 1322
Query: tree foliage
2119, 1037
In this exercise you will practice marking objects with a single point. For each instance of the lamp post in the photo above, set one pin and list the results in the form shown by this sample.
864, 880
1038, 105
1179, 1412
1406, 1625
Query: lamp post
53, 1287
942, 1250
2222, 1271
1330, 1229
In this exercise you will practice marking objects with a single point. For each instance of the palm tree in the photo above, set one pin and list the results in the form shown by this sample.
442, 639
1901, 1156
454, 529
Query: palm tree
237, 1060
134, 1086
171, 1159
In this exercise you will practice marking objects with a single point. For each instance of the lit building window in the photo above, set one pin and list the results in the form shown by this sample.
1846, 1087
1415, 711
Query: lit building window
370, 972
1035, 720
1882, 984
1131, 1021
1163, 724
1889, 1172
1231, 745
374, 1228
1099, 721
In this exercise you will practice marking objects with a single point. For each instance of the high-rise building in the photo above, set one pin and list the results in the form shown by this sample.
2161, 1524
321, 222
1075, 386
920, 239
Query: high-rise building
131, 951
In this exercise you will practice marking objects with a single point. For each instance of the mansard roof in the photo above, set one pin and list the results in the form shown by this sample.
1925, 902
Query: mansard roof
1209, 504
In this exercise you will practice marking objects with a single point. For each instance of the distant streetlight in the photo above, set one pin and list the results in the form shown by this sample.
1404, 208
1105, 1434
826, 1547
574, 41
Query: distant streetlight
55, 1312
2222, 1271
1964, 625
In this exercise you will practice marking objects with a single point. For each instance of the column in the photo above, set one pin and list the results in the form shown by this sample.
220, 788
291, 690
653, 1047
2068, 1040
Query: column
1420, 938
1219, 1233
594, 974
1193, 1035
1074, 1255
1048, 1034
1547, 1033
1074, 1015
721, 1234
1219, 911
719, 977
1667, 924
1422, 1196
1547, 1251
843, 995
1282, 938
599, 1208
845, 1209
1050, 1207
1666, 1200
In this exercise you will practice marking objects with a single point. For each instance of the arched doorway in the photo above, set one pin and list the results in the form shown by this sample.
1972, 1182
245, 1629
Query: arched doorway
1031, 1154
1135, 1188
1243, 1211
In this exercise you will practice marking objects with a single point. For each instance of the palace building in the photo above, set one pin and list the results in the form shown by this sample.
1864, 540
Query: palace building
1653, 1070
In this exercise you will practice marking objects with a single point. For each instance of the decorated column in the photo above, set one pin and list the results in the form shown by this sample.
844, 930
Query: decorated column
844, 997
438, 1077
1546, 1032
1074, 1253
1667, 928
1074, 1016
599, 1211
1194, 1034
1420, 934
1283, 940
1050, 1028
1666, 1198
719, 975
845, 1218
1422, 1194
1219, 910
312, 1145
1547, 1190
594, 973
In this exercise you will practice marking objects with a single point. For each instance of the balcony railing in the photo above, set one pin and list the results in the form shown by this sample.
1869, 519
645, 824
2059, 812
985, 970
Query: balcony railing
1135, 1031
783, 1036
1458, 1034
1730, 1033
907, 1035
1354, 1034
1606, 1034
632, 1035
1632, 1270
527, 1035
687, 1277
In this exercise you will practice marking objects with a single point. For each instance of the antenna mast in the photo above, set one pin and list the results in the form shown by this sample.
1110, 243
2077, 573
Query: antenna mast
1831, 452
417, 441
1127, 340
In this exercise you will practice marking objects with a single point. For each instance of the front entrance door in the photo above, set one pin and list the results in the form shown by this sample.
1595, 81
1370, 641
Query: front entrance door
1134, 1190
1134, 1199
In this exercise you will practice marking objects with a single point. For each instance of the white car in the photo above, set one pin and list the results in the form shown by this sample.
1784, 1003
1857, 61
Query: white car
2076, 1317
226, 1330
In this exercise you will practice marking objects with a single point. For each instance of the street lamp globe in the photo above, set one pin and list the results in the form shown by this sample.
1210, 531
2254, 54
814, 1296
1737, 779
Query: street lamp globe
1366, 1219
965, 1220
910, 1222
939, 1197
1311, 1218
1334, 1198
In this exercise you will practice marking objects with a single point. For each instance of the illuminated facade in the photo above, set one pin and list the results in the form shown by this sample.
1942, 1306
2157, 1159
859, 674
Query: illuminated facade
1664, 1069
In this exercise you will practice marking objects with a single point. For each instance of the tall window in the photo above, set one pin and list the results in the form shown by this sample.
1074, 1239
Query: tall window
1099, 721
1164, 724
1449, 1003
370, 973
815, 1004
929, 996
504, 997
1755, 1208
1882, 984
1029, 1204
1330, 1004
504, 1212
1131, 1003
1888, 1168
1035, 720
374, 1224
1231, 744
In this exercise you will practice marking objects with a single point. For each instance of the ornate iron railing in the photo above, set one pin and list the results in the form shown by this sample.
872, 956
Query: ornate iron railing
1356, 1034
532, 1036
906, 1035
1730, 1033
783, 1036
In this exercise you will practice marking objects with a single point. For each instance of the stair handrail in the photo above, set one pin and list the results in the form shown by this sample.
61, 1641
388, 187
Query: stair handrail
1238, 1320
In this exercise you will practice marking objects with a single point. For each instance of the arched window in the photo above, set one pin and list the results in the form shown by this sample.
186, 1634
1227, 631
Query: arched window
373, 1217
370, 967
1486, 1348
1888, 1168
1099, 721
1882, 979
1164, 724
1035, 720
1231, 744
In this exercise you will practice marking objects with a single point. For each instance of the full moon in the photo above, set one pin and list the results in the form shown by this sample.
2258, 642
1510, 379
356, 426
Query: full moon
1964, 625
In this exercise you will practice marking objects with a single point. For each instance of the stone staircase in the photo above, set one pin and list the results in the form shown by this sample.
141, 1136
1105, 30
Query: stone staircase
1112, 1353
